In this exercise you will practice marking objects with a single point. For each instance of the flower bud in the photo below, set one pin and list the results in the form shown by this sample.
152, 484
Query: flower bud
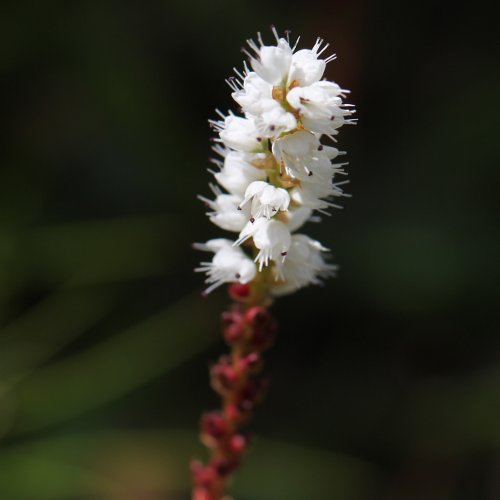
233, 325
203, 475
238, 291
238, 412
257, 317
238, 443
263, 327
213, 425
223, 375
249, 362
201, 494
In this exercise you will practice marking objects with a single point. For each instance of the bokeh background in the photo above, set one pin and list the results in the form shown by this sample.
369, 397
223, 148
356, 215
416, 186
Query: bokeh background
385, 383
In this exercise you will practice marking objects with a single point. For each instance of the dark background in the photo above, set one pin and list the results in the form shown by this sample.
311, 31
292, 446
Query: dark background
385, 383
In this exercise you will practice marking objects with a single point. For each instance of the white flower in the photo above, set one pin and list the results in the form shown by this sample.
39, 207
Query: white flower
272, 64
274, 120
319, 106
271, 237
240, 134
237, 173
316, 189
303, 266
226, 211
295, 152
306, 68
297, 217
254, 93
315, 195
267, 200
228, 265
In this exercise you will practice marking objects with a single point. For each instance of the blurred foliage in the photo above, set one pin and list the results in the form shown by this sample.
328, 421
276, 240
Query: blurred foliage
385, 382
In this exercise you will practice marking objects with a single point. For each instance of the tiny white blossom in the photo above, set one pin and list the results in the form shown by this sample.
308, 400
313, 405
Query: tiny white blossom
226, 211
229, 264
306, 68
297, 217
241, 134
274, 120
272, 64
267, 200
271, 237
303, 266
295, 152
319, 106
236, 173
316, 189
254, 94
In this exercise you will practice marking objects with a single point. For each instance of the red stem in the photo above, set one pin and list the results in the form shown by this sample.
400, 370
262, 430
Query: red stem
248, 329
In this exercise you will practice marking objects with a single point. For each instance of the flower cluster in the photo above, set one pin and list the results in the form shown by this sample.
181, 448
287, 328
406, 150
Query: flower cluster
275, 168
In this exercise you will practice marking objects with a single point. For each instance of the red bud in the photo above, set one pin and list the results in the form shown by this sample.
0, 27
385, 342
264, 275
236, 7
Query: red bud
239, 291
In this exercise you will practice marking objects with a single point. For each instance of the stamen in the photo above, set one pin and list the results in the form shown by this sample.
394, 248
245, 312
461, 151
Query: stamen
275, 33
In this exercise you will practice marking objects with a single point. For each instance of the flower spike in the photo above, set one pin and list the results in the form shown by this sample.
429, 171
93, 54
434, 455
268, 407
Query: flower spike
275, 171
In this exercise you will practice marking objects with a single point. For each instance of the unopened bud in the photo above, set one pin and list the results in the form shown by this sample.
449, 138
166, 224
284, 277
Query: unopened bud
238, 443
239, 291
238, 412
257, 316
223, 375
203, 475
263, 327
213, 425
201, 493
249, 362
233, 326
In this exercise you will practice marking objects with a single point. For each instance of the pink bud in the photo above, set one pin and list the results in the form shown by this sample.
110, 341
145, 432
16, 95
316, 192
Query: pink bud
201, 494
233, 326
249, 361
257, 316
203, 475
263, 327
237, 443
223, 375
213, 424
239, 291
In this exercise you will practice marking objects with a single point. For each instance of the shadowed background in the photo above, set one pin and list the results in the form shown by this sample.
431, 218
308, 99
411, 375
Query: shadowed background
385, 383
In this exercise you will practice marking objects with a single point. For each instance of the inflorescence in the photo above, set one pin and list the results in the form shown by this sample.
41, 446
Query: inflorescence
276, 169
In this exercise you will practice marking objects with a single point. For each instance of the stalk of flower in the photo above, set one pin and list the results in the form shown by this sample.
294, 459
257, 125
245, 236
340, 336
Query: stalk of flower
277, 166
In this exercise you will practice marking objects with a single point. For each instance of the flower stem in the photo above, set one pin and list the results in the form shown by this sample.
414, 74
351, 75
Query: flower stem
248, 329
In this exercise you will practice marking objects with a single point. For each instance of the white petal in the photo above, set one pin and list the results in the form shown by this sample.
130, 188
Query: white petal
306, 68
241, 134
273, 63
